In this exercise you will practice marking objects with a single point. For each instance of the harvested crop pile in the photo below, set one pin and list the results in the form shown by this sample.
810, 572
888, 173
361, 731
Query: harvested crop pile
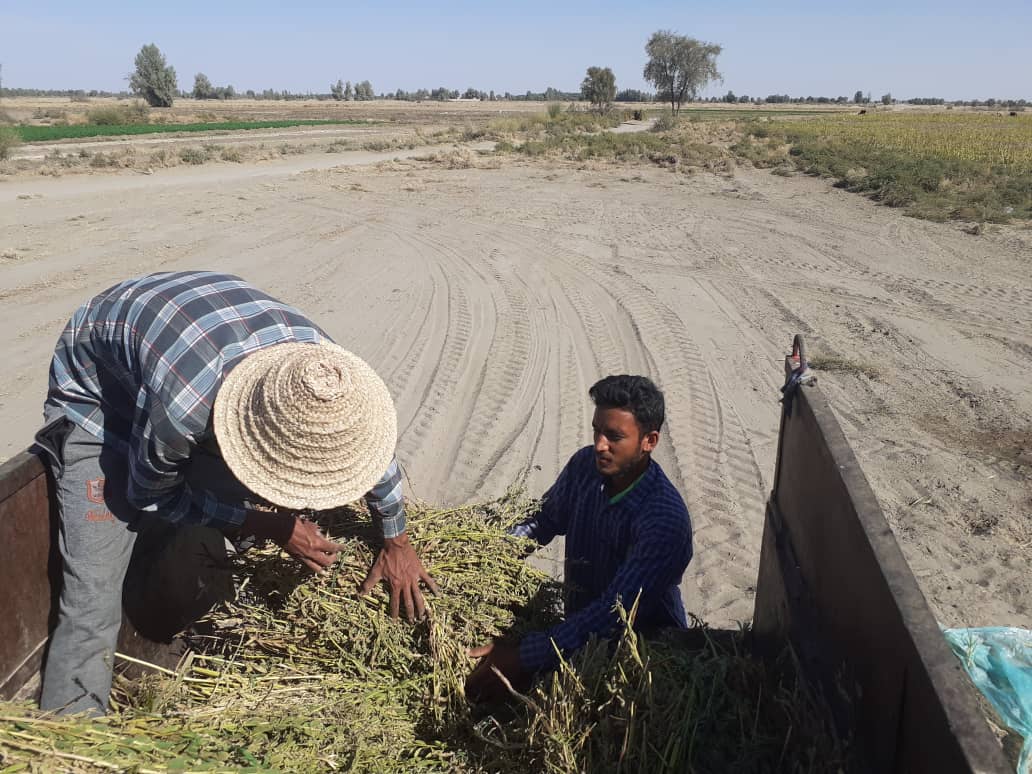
299, 674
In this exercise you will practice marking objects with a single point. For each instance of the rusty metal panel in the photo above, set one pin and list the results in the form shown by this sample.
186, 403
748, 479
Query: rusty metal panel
26, 572
30, 580
834, 583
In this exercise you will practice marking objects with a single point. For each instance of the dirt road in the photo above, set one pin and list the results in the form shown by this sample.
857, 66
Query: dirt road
490, 294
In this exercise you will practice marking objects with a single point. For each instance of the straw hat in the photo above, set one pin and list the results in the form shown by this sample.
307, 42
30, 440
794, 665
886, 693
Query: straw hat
305, 425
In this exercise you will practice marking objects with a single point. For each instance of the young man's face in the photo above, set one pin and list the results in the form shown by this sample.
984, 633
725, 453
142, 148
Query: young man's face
620, 446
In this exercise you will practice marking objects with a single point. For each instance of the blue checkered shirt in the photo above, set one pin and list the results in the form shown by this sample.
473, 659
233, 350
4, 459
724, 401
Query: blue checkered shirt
139, 366
614, 552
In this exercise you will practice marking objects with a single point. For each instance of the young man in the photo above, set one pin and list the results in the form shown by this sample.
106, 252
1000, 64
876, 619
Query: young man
185, 398
628, 537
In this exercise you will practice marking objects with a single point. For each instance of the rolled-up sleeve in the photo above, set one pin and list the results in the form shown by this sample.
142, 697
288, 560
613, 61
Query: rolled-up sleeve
386, 501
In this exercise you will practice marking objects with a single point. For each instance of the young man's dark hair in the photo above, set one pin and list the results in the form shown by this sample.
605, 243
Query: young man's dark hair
636, 394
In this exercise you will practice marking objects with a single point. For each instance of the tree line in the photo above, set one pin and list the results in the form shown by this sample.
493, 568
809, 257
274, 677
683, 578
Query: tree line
679, 67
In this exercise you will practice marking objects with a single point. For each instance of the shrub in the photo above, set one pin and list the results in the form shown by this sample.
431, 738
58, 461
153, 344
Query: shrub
109, 115
231, 154
119, 115
665, 123
8, 139
193, 155
555, 109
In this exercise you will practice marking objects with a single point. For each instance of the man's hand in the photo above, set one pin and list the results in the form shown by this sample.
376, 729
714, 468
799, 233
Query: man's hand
483, 685
399, 565
300, 538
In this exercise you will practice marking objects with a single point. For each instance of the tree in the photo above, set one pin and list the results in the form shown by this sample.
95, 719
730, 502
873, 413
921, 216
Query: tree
349, 91
599, 88
858, 98
633, 95
886, 99
337, 90
153, 79
202, 88
364, 91
680, 66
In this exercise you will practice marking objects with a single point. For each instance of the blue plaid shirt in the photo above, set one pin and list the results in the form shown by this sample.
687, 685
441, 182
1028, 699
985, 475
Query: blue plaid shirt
139, 366
641, 544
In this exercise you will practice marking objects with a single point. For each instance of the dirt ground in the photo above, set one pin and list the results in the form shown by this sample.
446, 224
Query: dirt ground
491, 292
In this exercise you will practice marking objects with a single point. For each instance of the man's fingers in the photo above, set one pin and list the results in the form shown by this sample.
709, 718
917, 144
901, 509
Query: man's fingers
430, 582
420, 604
374, 577
406, 597
395, 601
323, 560
322, 544
480, 651
309, 564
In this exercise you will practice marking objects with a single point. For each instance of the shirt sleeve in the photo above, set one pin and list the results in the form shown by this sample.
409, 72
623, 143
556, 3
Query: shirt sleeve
386, 501
157, 483
657, 559
553, 516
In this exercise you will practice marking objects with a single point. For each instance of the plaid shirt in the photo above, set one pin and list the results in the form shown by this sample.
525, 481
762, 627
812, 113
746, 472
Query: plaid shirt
641, 544
139, 366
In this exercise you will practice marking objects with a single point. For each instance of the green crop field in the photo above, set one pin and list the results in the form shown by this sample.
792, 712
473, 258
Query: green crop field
48, 133
936, 165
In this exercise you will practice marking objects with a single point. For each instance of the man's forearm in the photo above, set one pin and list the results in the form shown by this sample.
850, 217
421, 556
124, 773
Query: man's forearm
268, 525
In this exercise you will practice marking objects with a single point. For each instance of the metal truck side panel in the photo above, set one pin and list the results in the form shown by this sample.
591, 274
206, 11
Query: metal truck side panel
834, 582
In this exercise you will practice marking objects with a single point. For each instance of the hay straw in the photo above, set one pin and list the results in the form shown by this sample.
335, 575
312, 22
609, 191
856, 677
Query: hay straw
300, 674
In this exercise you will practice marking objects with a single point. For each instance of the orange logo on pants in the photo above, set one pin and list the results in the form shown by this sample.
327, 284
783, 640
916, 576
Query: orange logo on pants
95, 490
100, 516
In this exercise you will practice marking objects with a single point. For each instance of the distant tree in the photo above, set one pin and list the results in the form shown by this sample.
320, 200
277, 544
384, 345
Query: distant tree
152, 77
364, 91
858, 98
633, 95
337, 90
886, 99
202, 88
679, 66
599, 88
471, 93
349, 92
730, 97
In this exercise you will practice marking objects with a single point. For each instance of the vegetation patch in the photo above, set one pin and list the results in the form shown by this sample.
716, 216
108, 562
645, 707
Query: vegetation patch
119, 115
583, 138
47, 133
9, 139
938, 166
298, 674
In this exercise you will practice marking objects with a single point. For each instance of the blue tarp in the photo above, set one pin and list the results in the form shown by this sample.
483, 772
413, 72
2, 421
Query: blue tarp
999, 661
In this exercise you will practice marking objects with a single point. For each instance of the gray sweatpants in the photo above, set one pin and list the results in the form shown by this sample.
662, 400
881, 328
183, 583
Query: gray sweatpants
98, 531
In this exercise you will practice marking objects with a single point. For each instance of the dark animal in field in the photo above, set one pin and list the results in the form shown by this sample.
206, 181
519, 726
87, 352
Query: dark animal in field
862, 113
1014, 112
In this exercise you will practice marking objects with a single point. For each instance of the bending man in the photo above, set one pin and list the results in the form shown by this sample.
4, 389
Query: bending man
172, 378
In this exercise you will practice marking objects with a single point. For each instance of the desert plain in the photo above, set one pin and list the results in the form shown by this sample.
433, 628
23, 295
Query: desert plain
490, 291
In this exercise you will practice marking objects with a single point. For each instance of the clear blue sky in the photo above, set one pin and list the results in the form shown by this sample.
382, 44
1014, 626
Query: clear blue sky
956, 50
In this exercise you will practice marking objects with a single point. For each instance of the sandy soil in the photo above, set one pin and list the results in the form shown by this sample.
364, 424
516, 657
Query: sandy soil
491, 293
